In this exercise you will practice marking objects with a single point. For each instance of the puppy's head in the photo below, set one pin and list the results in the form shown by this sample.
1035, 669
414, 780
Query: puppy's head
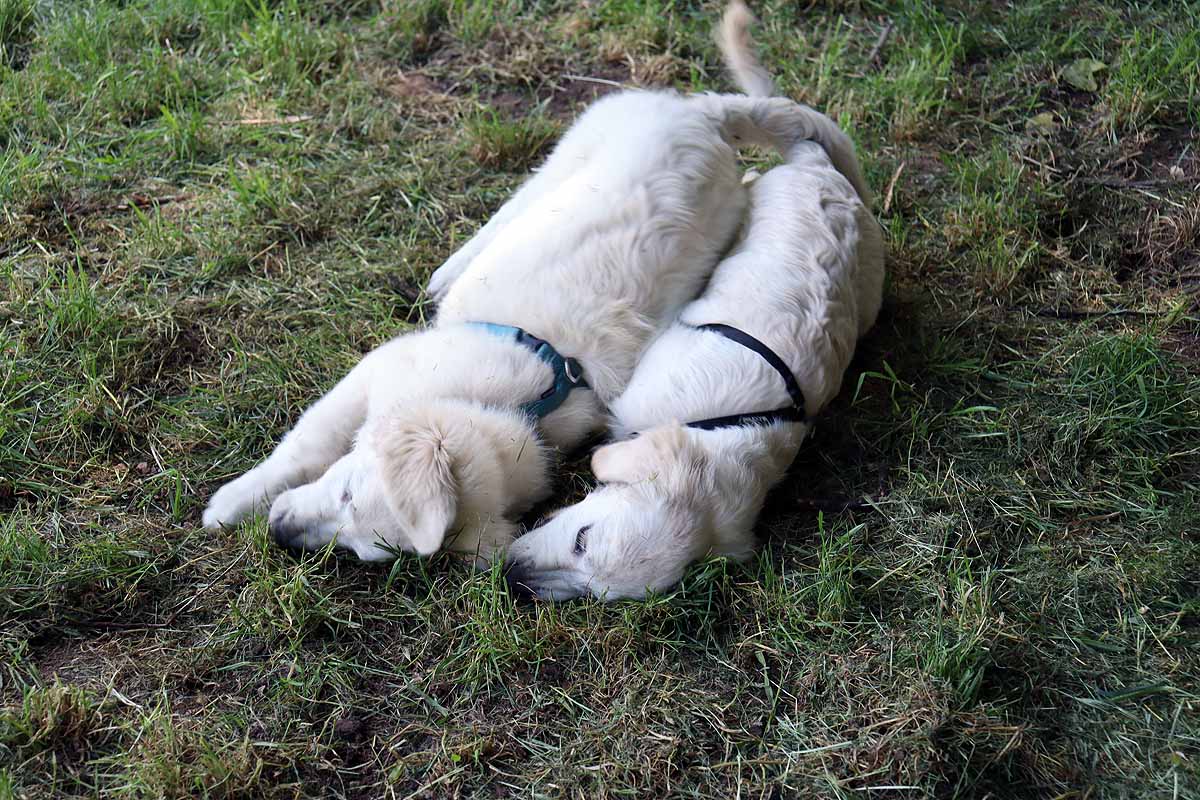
396, 491
633, 535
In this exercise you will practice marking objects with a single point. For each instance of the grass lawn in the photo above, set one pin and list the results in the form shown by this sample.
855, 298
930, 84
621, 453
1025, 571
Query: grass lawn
982, 580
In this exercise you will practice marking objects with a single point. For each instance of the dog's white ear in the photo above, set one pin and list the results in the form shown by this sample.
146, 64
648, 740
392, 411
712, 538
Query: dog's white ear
433, 519
421, 485
646, 457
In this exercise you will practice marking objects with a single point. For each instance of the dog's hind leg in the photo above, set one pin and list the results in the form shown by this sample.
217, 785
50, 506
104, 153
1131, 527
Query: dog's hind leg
324, 433
444, 276
781, 124
562, 163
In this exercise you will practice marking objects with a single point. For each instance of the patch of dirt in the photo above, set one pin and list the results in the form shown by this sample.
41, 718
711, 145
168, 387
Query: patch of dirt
172, 354
412, 84
917, 175
1171, 154
109, 659
1066, 97
1165, 159
1185, 345
513, 73
561, 98
406, 292
56, 218
1129, 208
572, 94
417, 94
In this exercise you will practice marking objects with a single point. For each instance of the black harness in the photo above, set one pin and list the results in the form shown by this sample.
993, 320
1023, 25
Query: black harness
790, 413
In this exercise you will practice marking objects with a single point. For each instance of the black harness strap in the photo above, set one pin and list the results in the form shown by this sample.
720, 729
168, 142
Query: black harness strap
789, 414
792, 413
750, 343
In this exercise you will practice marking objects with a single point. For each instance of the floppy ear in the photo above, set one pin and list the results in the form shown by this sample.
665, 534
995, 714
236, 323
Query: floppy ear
433, 518
648, 456
421, 486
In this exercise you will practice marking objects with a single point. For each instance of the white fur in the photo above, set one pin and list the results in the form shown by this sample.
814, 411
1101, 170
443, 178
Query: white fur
806, 280
424, 445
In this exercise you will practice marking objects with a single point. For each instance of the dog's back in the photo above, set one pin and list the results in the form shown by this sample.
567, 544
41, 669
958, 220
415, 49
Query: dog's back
806, 279
629, 214
596, 265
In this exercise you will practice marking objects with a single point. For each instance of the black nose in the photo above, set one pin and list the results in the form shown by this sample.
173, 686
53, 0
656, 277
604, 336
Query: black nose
516, 576
284, 531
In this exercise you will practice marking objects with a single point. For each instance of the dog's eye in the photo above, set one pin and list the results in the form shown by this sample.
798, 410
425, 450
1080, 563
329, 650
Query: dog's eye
346, 496
581, 540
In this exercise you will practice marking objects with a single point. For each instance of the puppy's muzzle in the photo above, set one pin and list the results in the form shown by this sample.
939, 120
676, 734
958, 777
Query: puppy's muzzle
517, 578
286, 532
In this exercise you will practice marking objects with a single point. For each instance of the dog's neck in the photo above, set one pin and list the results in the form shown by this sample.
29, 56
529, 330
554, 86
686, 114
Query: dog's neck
505, 456
743, 464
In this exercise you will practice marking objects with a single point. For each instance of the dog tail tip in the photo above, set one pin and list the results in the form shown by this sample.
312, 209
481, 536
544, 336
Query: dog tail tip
733, 38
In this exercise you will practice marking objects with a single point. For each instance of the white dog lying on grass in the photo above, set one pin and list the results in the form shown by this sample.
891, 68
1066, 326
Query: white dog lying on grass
439, 438
719, 404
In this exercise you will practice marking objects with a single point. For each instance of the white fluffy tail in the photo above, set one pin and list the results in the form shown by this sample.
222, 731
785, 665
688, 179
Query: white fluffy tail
770, 121
733, 38
782, 124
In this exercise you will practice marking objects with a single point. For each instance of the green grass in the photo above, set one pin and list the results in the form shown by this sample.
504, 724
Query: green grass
16, 24
981, 579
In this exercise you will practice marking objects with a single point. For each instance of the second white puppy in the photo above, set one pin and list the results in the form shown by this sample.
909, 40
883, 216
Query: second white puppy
719, 404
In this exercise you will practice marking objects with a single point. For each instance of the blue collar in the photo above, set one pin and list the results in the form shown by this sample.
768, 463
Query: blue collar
568, 374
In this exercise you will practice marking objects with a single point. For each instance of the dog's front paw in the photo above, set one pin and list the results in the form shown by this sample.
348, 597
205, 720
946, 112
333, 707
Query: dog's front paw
444, 276
235, 501
440, 282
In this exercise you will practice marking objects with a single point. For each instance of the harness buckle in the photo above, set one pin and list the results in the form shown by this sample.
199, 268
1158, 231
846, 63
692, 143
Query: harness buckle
568, 372
573, 371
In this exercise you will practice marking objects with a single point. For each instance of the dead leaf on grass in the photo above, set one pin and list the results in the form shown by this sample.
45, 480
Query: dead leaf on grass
1044, 122
1081, 73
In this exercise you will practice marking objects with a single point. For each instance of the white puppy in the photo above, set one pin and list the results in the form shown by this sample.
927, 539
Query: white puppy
439, 438
718, 415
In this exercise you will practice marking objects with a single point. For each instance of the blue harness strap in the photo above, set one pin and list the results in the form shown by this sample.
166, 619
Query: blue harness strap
568, 374
790, 413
